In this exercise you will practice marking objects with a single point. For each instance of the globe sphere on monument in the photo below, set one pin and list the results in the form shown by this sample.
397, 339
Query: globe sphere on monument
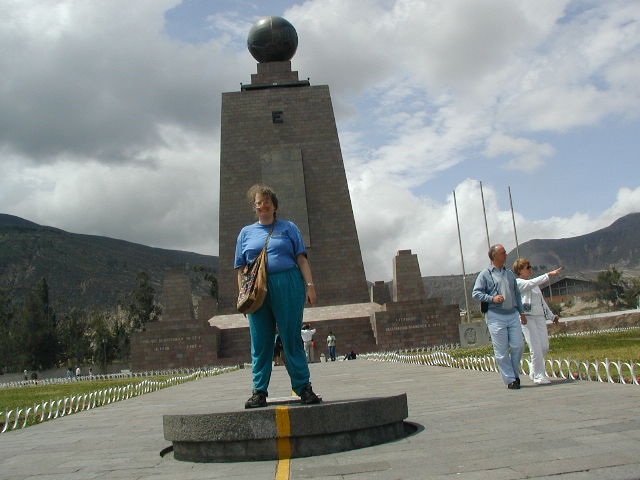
272, 39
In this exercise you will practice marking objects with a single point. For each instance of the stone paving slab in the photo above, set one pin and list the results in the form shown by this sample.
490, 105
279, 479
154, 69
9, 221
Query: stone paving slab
474, 428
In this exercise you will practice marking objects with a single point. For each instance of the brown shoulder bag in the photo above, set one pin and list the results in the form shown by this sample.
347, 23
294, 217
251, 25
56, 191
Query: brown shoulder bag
253, 281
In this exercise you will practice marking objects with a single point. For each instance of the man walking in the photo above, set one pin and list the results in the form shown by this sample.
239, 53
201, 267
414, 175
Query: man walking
497, 286
307, 338
331, 345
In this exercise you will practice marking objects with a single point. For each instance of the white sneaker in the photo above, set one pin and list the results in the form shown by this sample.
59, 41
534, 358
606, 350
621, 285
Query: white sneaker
542, 381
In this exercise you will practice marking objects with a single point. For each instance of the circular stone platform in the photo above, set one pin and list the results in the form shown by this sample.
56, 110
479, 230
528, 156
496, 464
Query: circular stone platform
287, 431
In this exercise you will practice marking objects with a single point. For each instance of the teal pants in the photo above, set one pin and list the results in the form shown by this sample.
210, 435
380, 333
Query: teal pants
284, 306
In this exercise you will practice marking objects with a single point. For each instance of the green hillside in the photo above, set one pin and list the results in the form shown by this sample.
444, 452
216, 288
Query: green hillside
84, 270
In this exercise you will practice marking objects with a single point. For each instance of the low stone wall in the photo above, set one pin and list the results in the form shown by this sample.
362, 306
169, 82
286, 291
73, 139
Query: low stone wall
625, 320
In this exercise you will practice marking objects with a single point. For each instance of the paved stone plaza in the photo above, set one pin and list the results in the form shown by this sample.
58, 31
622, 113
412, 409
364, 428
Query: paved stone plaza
474, 428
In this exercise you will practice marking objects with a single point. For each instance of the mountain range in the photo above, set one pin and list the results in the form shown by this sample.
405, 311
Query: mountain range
88, 270
618, 245
582, 256
85, 271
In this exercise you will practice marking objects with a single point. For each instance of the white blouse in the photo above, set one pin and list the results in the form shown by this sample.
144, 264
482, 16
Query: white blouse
532, 299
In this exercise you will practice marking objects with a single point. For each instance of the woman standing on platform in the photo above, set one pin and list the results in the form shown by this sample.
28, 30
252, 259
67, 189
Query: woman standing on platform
290, 283
538, 312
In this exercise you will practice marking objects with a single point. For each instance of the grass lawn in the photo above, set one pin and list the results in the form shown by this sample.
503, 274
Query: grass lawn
619, 346
623, 346
21, 397
32, 395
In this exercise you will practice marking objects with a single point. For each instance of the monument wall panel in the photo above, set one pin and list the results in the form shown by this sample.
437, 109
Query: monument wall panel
174, 345
282, 169
416, 325
407, 284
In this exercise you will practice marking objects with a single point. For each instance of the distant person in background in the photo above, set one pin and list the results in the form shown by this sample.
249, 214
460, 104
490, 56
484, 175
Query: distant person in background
78, 372
69, 372
350, 356
538, 312
497, 286
331, 345
278, 351
307, 334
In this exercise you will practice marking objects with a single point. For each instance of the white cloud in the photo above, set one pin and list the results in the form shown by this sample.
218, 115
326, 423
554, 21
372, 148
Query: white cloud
429, 228
171, 205
527, 155
103, 79
109, 126
627, 201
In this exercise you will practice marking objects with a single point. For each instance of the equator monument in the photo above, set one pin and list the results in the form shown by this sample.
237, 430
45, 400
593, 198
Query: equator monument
281, 131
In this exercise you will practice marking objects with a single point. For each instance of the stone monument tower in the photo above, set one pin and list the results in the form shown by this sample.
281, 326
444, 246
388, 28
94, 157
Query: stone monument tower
281, 131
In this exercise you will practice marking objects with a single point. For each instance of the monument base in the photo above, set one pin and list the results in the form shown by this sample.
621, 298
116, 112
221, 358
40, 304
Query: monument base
287, 431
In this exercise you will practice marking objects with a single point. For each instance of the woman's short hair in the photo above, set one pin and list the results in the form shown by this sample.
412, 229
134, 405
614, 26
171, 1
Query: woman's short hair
263, 190
520, 264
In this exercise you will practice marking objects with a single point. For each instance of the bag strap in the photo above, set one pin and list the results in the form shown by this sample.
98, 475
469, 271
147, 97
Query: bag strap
273, 226
493, 281
266, 243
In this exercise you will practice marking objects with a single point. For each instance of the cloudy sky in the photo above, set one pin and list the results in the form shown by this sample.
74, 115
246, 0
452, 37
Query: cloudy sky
110, 116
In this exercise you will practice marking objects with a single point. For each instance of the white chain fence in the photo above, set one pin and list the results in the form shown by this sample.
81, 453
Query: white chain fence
605, 371
47, 410
94, 377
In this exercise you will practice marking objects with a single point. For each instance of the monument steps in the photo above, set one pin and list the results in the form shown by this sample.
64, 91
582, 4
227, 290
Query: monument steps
353, 333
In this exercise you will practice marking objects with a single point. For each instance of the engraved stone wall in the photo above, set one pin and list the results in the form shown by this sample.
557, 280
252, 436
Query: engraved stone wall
178, 339
412, 320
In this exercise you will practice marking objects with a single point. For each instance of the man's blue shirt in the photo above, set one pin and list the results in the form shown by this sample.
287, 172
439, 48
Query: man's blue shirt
284, 247
488, 286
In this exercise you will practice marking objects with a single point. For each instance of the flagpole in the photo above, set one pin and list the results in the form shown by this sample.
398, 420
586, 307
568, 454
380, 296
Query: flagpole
484, 212
464, 275
513, 219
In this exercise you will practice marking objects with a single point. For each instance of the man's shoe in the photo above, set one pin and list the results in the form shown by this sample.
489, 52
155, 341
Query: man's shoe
257, 400
542, 381
307, 396
517, 381
513, 386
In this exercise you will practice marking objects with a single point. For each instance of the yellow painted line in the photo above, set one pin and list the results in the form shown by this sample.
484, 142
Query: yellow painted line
283, 427
283, 470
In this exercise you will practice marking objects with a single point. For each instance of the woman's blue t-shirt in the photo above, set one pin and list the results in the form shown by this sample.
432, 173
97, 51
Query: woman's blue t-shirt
284, 247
